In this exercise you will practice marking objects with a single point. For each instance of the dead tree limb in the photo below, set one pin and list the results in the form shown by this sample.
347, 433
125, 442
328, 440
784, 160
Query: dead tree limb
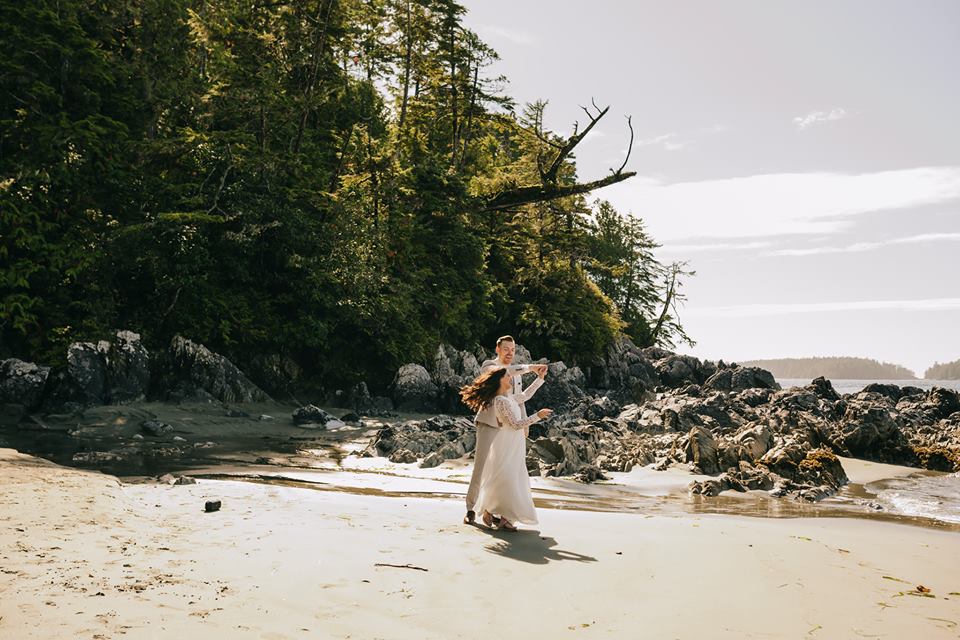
543, 193
550, 188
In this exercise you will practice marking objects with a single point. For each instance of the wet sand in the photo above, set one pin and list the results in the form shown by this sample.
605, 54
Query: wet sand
83, 555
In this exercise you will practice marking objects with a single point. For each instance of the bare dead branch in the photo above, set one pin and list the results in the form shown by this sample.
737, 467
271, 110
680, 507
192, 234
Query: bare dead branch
549, 191
629, 147
564, 151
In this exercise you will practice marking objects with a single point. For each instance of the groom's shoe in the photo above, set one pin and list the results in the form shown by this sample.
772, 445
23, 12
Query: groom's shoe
470, 518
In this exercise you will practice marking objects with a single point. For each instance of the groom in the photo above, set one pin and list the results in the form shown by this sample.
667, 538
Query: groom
486, 420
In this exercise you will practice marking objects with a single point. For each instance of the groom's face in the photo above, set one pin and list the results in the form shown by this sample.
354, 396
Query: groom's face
506, 350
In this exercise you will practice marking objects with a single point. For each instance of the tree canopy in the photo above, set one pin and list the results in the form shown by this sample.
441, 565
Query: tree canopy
341, 182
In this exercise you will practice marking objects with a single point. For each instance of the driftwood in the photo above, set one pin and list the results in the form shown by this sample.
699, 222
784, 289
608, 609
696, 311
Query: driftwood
400, 566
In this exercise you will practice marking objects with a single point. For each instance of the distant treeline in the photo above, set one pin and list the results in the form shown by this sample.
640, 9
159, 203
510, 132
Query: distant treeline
835, 368
945, 371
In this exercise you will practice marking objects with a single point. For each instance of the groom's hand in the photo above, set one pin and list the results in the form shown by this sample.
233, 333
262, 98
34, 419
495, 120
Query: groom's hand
540, 369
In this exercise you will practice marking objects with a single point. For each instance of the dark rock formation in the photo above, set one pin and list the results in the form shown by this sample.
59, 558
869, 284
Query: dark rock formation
359, 399
195, 372
22, 383
128, 369
413, 390
311, 414
155, 428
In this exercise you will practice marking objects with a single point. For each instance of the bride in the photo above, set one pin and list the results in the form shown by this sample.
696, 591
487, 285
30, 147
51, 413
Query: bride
505, 483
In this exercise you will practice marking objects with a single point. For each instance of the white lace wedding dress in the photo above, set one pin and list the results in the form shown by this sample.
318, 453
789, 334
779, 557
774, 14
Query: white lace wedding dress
505, 483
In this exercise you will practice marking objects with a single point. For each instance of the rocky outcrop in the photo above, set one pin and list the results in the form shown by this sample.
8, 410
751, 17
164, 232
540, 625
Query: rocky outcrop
750, 436
359, 399
128, 369
450, 370
413, 390
564, 391
114, 372
277, 374
312, 415
741, 378
627, 373
196, 373
22, 383
434, 440
82, 382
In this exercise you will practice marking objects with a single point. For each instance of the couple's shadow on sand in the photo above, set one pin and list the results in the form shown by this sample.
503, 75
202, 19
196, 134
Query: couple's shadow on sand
527, 545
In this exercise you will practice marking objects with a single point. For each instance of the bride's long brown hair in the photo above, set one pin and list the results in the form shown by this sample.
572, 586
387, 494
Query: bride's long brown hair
481, 392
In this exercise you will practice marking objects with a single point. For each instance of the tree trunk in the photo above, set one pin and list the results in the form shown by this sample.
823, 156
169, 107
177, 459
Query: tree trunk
407, 61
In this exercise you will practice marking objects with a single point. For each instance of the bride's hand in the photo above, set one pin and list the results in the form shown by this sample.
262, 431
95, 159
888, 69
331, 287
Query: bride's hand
544, 413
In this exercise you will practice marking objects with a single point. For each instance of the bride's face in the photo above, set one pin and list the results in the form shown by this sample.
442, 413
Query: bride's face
504, 384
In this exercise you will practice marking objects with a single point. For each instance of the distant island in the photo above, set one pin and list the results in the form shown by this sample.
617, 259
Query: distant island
945, 371
836, 368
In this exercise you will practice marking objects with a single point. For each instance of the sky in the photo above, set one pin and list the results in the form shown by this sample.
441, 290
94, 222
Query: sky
803, 157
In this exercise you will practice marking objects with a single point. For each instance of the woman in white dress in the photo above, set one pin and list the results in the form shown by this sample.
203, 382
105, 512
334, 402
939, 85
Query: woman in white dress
505, 483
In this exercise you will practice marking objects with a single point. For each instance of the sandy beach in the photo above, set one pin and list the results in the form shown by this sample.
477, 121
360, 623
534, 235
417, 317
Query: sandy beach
83, 555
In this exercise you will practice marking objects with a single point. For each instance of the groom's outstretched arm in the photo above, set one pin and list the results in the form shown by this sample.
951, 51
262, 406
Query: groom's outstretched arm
512, 369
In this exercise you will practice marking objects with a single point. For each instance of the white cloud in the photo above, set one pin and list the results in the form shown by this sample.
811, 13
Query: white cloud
867, 246
815, 117
668, 141
677, 141
776, 204
512, 35
758, 310
715, 246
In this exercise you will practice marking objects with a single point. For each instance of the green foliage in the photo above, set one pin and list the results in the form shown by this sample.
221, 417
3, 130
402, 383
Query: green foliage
298, 178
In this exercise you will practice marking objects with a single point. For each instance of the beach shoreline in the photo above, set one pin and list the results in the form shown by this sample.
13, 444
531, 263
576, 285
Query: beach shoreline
86, 555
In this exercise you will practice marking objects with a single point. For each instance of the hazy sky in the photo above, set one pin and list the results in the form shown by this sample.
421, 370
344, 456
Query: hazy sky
803, 156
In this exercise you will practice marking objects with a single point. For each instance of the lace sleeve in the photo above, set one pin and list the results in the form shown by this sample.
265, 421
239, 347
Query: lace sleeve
532, 389
508, 413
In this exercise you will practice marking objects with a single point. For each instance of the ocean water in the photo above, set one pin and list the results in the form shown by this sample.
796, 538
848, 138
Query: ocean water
853, 386
936, 497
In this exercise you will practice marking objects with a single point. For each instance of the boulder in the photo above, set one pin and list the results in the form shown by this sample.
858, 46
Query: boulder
276, 373
413, 390
562, 390
676, 370
740, 378
891, 391
403, 456
869, 430
359, 399
822, 388
194, 367
701, 450
22, 383
128, 369
311, 414
756, 439
155, 428
626, 372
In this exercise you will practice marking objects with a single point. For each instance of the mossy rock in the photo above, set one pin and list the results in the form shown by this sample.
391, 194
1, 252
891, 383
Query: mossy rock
938, 458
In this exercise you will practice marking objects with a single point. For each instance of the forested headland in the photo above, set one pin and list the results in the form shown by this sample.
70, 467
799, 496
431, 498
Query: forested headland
834, 368
943, 371
339, 182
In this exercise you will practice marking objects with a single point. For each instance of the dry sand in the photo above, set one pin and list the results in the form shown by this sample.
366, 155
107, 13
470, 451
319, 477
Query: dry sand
84, 556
